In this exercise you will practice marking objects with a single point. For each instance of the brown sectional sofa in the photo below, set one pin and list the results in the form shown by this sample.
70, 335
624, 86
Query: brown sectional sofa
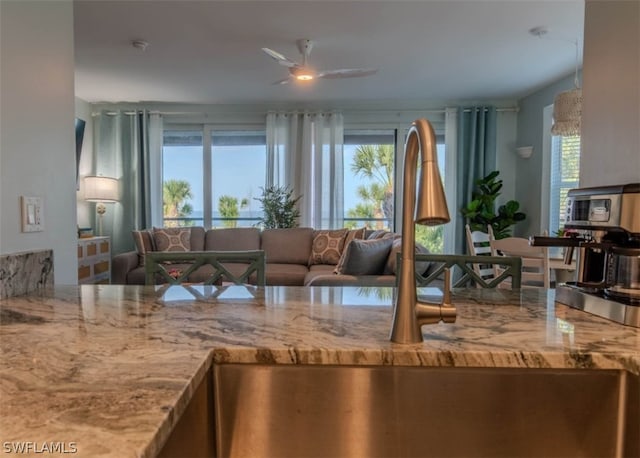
287, 253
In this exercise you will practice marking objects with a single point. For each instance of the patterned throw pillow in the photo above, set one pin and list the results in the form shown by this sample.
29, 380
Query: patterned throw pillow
377, 234
144, 243
354, 234
172, 239
327, 246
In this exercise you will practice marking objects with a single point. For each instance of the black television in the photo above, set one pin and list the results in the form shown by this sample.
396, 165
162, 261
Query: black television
80, 123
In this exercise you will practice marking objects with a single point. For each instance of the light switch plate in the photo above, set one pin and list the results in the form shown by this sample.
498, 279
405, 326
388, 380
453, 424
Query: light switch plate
32, 214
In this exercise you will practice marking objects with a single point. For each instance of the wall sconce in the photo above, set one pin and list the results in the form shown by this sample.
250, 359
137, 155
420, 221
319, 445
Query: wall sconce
525, 152
100, 190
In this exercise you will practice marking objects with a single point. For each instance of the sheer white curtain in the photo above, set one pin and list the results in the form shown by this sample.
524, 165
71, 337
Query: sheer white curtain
305, 153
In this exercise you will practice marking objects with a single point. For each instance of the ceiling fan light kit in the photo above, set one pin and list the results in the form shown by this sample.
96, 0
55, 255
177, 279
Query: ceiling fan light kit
303, 72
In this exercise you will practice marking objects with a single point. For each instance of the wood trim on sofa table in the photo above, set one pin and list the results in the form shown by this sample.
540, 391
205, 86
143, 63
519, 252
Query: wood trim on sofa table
155, 264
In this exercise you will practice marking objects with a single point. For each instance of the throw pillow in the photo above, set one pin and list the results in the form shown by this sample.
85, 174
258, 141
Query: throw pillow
172, 239
391, 267
144, 244
364, 257
354, 234
327, 246
377, 234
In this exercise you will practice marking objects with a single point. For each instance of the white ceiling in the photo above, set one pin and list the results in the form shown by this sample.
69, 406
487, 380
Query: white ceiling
210, 51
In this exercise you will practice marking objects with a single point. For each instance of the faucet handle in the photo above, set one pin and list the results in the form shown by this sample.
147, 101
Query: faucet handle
447, 310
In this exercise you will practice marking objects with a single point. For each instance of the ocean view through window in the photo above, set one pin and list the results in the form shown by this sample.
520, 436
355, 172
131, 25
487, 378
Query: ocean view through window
212, 177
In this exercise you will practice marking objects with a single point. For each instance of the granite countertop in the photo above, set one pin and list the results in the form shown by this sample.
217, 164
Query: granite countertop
109, 369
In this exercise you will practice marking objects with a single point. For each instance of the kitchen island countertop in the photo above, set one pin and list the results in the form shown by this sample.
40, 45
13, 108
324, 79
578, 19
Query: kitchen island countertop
108, 370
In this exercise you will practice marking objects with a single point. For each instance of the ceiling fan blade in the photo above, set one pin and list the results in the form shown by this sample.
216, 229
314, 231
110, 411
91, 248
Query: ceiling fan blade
282, 81
280, 58
347, 73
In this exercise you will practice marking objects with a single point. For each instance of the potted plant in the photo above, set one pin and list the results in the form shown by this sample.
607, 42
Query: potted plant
480, 212
279, 207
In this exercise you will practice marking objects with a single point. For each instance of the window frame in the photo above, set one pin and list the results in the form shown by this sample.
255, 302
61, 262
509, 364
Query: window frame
207, 161
547, 166
381, 132
211, 131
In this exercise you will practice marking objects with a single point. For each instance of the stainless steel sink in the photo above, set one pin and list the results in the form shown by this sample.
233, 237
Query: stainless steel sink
320, 411
346, 411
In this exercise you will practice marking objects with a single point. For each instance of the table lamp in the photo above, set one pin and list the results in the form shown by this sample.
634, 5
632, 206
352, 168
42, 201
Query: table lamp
100, 189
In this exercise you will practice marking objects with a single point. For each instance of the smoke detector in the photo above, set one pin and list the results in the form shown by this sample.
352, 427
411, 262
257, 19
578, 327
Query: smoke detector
538, 31
140, 44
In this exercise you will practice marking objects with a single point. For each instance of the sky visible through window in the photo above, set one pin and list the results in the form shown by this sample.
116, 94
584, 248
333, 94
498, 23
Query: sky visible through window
242, 175
239, 176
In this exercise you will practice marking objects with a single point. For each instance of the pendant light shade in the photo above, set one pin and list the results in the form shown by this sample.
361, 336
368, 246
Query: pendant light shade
567, 113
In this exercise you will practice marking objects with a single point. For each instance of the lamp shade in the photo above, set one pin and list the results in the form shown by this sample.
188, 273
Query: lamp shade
567, 113
100, 189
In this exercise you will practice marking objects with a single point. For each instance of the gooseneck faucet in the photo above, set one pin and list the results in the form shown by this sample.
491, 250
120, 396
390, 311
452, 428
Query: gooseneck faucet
409, 313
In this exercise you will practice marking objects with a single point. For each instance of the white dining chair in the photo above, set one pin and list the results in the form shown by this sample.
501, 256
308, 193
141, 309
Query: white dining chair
478, 244
535, 260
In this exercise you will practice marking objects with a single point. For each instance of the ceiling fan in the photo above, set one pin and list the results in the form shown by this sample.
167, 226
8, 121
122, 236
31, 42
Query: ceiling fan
304, 72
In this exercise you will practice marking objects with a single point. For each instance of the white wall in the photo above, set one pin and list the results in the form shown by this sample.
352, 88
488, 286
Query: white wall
530, 172
611, 93
37, 153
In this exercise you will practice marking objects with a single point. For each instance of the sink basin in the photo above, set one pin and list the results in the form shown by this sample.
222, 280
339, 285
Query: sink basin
407, 411
348, 411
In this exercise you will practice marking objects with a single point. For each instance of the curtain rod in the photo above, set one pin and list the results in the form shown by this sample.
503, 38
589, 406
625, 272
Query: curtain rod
360, 110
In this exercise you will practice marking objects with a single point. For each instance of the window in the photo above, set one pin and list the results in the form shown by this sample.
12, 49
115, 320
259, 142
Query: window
564, 175
432, 237
216, 189
182, 190
369, 185
369, 168
238, 170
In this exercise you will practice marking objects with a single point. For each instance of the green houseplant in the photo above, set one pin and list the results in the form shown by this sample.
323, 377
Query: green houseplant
279, 207
480, 211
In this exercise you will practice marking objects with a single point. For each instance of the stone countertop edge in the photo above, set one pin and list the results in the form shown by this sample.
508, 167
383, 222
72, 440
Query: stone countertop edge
175, 411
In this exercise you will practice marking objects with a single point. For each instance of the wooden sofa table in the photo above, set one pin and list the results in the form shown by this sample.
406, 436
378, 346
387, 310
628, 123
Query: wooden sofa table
163, 264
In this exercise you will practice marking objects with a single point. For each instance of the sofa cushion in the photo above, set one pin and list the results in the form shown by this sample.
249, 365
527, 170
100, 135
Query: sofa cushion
391, 267
286, 274
327, 246
172, 238
330, 279
144, 243
203, 273
364, 257
287, 246
137, 276
197, 238
322, 268
232, 239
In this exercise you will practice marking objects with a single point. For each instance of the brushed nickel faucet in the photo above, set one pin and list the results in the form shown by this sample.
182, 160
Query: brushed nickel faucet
410, 314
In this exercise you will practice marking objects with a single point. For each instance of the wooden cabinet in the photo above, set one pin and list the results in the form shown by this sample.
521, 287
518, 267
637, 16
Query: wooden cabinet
94, 260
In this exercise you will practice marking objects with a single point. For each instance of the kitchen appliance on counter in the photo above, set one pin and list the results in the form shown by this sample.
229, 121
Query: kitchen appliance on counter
604, 223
